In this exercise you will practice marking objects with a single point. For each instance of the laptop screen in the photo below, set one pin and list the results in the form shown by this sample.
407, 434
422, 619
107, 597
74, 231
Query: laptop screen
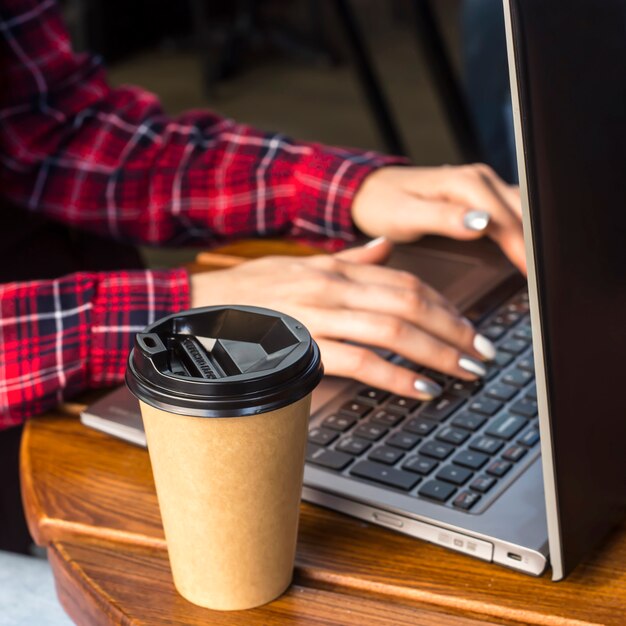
568, 67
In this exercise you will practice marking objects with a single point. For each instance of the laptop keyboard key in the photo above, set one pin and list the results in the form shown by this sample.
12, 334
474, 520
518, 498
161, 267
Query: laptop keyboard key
410, 365
311, 448
438, 377
436, 450
518, 306
503, 358
372, 432
404, 441
384, 418
339, 422
322, 436
499, 468
507, 317
330, 459
523, 332
529, 438
420, 465
440, 409
383, 454
466, 500
514, 346
371, 394
436, 490
385, 475
455, 436
355, 409
493, 331
531, 392
472, 460
514, 453
517, 377
486, 445
492, 371
454, 474
482, 484
485, 406
527, 364
506, 426
525, 406
352, 445
469, 421
420, 426
500, 391
465, 388
402, 405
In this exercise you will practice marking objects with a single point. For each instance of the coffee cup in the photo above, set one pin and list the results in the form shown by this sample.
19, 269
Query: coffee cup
225, 397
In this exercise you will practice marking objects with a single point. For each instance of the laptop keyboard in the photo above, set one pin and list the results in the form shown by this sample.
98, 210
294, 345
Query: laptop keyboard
458, 450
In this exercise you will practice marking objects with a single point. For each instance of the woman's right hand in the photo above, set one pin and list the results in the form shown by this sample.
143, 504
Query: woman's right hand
348, 297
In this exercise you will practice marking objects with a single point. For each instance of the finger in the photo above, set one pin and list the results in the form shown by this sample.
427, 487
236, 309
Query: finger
480, 186
342, 359
392, 333
367, 275
360, 264
416, 216
417, 308
511, 241
475, 186
373, 253
516, 196
509, 194
465, 185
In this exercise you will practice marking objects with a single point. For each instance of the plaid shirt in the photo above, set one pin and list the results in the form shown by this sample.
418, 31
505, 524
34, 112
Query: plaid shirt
109, 161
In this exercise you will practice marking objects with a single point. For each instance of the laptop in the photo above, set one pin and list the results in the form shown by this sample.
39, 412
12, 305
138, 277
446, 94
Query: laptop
526, 467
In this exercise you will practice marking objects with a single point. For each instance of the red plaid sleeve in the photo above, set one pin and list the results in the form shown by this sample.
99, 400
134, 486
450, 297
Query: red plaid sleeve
58, 337
109, 160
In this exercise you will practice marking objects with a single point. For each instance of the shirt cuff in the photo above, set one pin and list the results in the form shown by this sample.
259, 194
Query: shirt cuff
124, 304
327, 181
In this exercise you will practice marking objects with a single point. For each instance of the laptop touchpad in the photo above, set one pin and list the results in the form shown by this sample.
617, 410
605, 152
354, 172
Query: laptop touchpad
462, 271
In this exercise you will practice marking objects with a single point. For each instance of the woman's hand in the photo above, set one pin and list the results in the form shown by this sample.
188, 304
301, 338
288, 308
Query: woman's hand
347, 297
466, 202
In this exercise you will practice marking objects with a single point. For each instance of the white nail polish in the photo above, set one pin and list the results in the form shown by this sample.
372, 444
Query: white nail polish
375, 242
427, 388
476, 220
485, 347
473, 366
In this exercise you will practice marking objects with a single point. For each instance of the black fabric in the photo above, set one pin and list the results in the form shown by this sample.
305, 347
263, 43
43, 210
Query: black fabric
35, 248
14, 535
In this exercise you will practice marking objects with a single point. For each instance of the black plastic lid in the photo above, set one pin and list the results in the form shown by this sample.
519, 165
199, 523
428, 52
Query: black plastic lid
223, 361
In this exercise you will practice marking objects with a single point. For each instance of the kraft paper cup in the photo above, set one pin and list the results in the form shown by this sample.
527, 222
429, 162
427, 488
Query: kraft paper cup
229, 493
227, 460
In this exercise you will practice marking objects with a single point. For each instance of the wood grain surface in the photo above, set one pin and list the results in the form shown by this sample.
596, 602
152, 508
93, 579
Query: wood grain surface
81, 485
102, 584
240, 251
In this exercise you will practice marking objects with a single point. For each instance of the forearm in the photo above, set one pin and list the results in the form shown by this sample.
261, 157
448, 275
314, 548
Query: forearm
61, 336
111, 161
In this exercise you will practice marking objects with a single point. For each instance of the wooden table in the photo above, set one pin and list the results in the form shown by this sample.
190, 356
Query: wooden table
90, 500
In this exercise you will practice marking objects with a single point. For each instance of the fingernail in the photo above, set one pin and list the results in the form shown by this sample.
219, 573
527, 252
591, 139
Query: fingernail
485, 347
476, 220
375, 242
473, 366
427, 388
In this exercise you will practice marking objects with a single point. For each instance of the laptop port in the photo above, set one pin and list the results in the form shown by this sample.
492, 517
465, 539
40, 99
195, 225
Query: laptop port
515, 557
